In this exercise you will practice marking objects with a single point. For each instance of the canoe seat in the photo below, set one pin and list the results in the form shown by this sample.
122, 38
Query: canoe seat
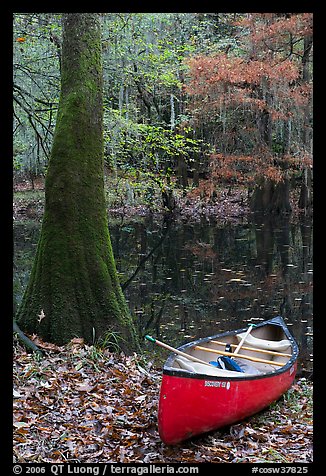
277, 345
198, 368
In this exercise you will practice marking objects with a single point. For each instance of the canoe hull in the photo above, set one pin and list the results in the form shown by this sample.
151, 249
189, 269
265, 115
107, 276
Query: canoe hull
190, 405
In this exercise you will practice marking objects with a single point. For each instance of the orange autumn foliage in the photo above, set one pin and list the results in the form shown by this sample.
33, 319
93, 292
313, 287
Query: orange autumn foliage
246, 99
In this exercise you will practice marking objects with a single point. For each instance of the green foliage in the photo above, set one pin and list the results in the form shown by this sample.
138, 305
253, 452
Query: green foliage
145, 146
144, 70
111, 340
147, 105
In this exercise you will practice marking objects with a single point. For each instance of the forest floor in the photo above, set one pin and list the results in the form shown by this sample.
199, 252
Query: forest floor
85, 404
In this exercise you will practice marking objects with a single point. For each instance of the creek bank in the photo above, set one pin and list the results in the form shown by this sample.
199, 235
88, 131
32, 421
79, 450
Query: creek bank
229, 205
85, 404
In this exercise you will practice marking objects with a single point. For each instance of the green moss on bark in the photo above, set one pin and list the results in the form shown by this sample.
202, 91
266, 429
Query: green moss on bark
74, 278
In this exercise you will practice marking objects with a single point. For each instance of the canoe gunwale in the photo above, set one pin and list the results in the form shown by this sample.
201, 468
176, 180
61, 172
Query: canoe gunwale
172, 371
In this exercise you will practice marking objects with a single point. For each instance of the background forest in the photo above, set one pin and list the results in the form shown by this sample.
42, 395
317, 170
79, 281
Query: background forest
192, 102
208, 180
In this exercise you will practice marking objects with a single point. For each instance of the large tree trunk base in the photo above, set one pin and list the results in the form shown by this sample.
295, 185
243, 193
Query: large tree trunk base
271, 198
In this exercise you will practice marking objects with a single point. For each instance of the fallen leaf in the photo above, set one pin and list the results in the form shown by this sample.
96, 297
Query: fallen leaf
41, 316
84, 387
141, 398
20, 424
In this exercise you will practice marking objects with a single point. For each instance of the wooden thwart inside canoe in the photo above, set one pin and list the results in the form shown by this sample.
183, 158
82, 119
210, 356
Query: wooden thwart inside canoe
254, 349
242, 356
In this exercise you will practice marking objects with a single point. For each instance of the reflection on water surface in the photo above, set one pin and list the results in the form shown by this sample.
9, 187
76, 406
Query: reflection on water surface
185, 281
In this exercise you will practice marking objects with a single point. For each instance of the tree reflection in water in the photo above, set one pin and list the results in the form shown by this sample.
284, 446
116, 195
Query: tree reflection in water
189, 280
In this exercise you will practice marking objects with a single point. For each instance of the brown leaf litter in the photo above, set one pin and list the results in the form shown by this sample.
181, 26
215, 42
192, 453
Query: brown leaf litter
84, 404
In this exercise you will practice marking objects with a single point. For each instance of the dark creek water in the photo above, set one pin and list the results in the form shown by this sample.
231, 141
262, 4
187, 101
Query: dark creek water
185, 281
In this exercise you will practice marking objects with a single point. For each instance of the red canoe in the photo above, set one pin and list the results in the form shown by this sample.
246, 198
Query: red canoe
196, 397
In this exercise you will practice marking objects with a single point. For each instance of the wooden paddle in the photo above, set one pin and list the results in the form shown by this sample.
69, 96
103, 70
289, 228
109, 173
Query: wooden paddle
228, 359
251, 326
176, 351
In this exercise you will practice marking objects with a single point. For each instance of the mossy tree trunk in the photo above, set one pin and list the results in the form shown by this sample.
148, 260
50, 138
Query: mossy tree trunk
74, 279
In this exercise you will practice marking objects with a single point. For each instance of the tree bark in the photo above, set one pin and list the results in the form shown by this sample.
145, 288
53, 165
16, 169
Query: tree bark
182, 172
305, 200
271, 198
74, 279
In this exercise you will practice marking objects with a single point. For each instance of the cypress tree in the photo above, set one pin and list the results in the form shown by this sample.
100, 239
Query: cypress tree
73, 290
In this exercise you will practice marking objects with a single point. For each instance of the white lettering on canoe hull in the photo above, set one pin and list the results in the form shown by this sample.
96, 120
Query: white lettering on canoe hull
217, 383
